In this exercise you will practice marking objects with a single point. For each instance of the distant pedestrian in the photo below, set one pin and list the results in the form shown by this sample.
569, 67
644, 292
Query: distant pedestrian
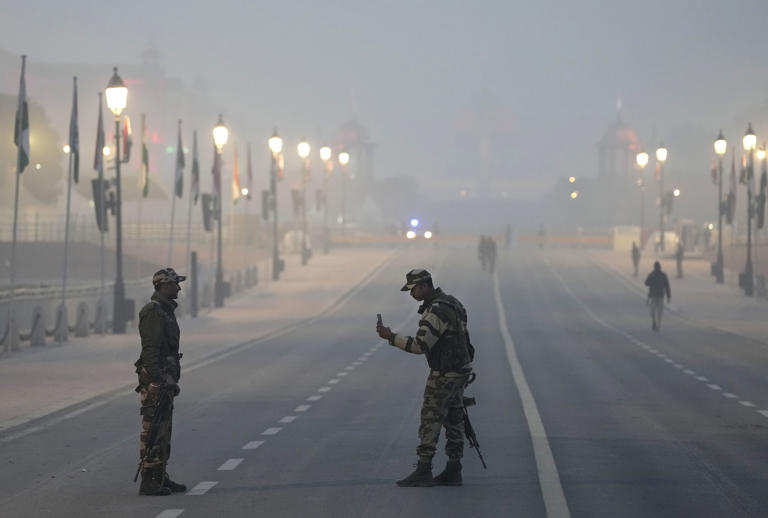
492, 251
635, 257
444, 339
679, 255
658, 287
159, 370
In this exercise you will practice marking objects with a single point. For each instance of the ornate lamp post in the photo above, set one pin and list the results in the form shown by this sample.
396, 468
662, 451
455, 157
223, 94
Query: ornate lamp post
642, 160
720, 147
344, 161
303, 149
749, 142
661, 157
117, 98
220, 137
276, 147
325, 156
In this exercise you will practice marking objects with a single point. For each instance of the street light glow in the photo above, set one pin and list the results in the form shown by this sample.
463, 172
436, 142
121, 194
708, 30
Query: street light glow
38, 166
427, 235
661, 154
275, 143
66, 148
106, 151
303, 149
117, 94
761, 153
572, 179
574, 195
750, 140
410, 234
720, 144
220, 134
343, 158
414, 223
325, 153
244, 191
676, 193
642, 159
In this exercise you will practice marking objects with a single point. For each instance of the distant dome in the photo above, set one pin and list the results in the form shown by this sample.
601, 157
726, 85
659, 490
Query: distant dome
621, 135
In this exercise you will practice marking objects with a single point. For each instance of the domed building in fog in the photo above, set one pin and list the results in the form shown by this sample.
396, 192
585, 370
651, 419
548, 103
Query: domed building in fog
617, 148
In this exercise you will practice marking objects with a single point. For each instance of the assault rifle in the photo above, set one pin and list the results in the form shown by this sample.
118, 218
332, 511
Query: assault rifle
159, 410
469, 432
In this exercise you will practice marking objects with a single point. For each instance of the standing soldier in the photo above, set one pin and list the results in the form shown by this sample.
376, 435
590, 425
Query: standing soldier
658, 286
635, 257
444, 339
159, 370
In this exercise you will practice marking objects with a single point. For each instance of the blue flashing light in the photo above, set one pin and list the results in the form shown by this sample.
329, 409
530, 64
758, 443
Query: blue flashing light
414, 223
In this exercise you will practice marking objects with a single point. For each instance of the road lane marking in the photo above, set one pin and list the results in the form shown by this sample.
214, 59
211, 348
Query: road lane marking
230, 464
170, 513
342, 374
271, 431
324, 389
549, 480
201, 489
314, 398
714, 387
763, 413
729, 395
350, 368
689, 372
747, 403
333, 381
288, 419
253, 445
302, 408
702, 378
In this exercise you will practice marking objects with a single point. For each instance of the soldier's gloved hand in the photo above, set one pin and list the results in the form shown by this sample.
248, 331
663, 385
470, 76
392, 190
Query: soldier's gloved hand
384, 332
174, 389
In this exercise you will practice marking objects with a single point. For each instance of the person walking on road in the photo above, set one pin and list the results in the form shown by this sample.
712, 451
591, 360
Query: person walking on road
159, 370
658, 287
491, 244
679, 255
444, 339
635, 257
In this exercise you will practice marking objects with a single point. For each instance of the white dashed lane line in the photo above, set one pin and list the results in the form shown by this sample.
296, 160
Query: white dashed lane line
288, 419
342, 374
253, 445
333, 381
715, 387
747, 403
201, 489
763, 413
271, 431
302, 408
230, 464
729, 395
170, 513
324, 389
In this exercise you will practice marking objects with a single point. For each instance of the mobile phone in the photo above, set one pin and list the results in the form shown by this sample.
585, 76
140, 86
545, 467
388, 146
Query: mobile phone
378, 319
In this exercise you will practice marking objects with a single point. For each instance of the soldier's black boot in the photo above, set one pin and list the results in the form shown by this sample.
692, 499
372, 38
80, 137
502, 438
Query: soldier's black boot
421, 477
175, 487
152, 483
451, 475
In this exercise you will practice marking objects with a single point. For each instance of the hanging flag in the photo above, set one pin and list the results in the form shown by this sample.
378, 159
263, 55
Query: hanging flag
250, 173
235, 180
144, 176
74, 135
195, 187
21, 126
98, 155
714, 172
179, 177
127, 139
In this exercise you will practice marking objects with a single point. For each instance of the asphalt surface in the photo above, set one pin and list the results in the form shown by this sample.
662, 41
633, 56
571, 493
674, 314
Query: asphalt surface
635, 423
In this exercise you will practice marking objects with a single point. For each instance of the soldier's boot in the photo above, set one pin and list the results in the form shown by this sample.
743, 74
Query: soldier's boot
152, 483
451, 475
175, 487
421, 477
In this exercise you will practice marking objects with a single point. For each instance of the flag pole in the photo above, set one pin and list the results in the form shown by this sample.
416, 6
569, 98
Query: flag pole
189, 206
143, 179
176, 174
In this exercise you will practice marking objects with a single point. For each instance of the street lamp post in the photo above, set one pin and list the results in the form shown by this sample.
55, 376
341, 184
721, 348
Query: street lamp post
642, 160
276, 147
325, 156
220, 137
747, 280
720, 148
344, 161
303, 149
117, 98
661, 157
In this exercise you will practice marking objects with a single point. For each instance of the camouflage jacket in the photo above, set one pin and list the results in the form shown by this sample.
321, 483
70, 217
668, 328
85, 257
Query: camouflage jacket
159, 341
442, 334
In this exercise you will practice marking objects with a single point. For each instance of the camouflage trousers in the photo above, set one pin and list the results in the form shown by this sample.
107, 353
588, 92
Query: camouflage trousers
161, 451
442, 408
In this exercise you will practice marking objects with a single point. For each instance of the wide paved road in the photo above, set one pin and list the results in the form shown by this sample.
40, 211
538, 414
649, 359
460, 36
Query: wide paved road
602, 417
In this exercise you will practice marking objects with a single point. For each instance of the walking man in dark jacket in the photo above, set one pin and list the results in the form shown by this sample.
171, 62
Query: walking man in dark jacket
658, 287
159, 370
635, 257
443, 338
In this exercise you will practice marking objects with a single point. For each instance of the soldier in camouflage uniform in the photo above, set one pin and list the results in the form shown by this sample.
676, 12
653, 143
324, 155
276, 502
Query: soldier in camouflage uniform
159, 370
443, 338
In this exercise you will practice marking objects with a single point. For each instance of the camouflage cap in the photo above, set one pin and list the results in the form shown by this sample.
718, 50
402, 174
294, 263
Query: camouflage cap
414, 277
166, 276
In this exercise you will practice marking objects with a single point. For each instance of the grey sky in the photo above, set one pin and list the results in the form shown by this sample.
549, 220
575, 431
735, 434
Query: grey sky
427, 77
